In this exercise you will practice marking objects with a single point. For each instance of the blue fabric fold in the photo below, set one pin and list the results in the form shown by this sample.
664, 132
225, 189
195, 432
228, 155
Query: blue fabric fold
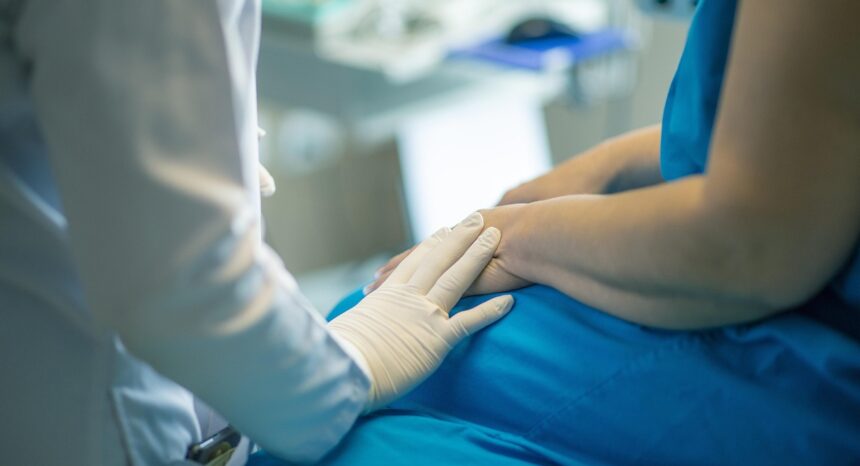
558, 382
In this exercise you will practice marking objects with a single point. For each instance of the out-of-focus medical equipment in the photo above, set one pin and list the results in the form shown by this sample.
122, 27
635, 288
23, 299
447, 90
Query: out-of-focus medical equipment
680, 9
406, 39
439, 78
216, 450
401, 331
539, 28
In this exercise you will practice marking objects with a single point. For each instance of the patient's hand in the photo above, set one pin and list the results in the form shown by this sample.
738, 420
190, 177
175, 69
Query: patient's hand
495, 277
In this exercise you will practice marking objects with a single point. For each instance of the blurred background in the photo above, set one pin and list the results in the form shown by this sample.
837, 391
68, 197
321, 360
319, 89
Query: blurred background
387, 119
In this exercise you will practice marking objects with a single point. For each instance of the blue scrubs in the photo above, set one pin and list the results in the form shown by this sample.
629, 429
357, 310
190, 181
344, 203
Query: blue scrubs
559, 382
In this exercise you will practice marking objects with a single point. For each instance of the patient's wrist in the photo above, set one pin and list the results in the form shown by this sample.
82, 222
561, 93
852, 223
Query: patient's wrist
521, 223
539, 239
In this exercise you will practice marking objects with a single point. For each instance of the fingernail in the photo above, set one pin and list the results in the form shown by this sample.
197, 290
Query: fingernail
491, 232
367, 289
473, 220
442, 231
378, 273
506, 304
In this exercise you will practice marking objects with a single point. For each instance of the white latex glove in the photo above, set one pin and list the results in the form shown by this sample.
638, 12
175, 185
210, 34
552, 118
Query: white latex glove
267, 183
402, 330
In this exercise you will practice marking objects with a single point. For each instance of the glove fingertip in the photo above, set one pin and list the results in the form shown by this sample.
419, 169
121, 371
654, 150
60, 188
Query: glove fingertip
475, 319
506, 304
501, 306
492, 236
441, 233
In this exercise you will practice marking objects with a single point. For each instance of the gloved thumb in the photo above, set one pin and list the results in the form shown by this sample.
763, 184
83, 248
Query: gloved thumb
466, 323
267, 183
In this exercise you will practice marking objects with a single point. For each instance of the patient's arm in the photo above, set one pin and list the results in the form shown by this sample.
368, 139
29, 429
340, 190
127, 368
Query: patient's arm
626, 162
772, 221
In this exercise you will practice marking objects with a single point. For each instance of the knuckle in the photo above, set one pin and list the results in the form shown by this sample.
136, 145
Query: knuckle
409, 288
458, 329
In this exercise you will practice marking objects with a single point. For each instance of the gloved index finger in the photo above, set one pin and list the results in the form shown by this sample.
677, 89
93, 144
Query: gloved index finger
447, 253
403, 272
456, 280
394, 261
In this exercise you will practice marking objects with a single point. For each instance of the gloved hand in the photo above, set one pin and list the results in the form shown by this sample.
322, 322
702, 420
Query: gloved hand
402, 331
267, 183
496, 277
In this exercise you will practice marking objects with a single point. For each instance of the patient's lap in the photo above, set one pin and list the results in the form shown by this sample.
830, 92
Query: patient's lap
558, 381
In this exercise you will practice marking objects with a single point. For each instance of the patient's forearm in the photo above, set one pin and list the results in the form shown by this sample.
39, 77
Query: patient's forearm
629, 161
655, 256
637, 154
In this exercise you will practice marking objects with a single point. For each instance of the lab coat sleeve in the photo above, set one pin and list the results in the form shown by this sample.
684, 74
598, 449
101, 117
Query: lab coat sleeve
147, 109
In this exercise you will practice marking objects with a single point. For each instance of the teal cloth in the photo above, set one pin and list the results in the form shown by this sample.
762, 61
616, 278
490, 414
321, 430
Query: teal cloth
559, 382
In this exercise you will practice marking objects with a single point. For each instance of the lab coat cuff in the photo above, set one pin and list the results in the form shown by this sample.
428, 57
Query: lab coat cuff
357, 401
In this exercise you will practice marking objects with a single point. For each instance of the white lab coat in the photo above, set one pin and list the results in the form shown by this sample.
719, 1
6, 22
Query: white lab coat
129, 218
